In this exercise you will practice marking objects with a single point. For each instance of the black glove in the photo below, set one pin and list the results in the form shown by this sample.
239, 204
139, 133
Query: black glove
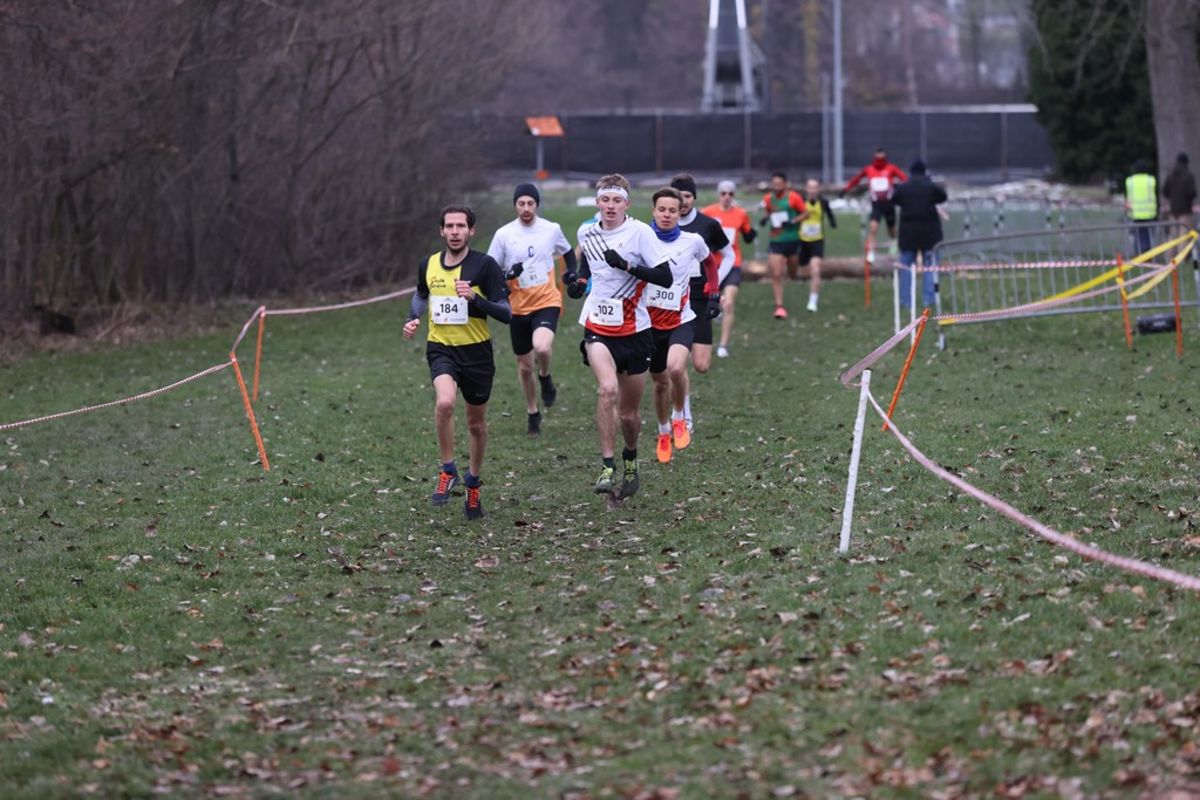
750, 235
614, 260
575, 288
714, 305
842, 193
764, 221
515, 270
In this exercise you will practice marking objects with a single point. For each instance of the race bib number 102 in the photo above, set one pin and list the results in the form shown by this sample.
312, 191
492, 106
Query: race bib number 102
607, 311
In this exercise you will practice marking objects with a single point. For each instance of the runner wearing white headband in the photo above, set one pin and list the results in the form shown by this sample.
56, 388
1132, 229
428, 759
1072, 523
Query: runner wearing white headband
620, 255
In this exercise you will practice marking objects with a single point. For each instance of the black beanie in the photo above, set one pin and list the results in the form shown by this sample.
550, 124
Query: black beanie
683, 184
526, 190
918, 167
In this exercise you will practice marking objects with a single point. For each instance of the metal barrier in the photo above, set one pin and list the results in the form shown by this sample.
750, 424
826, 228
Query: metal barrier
1021, 272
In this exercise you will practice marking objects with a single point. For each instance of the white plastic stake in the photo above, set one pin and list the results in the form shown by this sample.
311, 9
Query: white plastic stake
855, 452
896, 295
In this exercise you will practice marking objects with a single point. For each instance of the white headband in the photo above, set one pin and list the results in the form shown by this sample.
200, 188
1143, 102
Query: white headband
612, 190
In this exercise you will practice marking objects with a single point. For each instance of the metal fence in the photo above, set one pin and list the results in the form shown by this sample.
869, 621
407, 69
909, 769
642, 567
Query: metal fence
999, 141
1022, 271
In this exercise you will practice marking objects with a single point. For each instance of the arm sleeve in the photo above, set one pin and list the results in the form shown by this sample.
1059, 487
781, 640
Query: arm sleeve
711, 265
659, 276
494, 301
828, 213
854, 181
898, 173
417, 306
569, 260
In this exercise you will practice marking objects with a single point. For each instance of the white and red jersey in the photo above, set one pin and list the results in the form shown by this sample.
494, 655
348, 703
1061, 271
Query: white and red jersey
616, 305
880, 177
669, 306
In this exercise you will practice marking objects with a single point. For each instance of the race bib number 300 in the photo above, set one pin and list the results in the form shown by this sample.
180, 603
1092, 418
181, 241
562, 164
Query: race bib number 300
607, 311
536, 273
448, 310
666, 298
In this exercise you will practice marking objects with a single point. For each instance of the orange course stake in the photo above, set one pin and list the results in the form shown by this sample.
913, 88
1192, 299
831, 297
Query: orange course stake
262, 450
262, 323
867, 276
912, 351
1124, 301
1178, 313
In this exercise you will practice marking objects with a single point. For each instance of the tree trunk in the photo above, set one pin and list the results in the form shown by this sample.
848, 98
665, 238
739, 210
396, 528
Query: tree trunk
1171, 53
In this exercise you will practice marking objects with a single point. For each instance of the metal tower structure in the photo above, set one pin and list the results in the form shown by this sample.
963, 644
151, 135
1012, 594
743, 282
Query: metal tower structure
730, 60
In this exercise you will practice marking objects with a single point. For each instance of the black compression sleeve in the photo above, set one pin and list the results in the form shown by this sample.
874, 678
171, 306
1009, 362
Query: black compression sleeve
417, 306
496, 309
569, 260
659, 276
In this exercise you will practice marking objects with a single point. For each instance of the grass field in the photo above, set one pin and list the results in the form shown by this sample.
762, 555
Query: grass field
174, 621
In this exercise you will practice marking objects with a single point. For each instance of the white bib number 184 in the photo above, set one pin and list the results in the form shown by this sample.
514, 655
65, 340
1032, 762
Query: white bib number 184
607, 311
448, 310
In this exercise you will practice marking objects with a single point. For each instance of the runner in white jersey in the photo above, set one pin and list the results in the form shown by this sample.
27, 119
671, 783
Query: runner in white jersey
526, 249
671, 319
620, 255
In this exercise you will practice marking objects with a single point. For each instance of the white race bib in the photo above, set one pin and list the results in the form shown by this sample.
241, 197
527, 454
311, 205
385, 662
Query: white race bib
606, 311
664, 297
880, 186
536, 273
778, 218
810, 230
447, 310
730, 234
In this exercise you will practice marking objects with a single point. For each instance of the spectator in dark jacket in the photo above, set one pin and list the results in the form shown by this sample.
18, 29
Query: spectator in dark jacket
1179, 189
917, 200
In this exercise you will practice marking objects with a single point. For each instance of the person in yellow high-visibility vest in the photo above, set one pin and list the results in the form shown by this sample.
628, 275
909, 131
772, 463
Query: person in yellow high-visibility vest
1141, 203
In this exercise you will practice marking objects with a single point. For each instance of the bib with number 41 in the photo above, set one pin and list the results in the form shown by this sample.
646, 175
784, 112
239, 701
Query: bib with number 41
536, 273
447, 310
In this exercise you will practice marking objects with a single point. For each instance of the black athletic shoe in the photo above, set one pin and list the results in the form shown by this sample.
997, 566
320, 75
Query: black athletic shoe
549, 390
473, 507
535, 424
629, 481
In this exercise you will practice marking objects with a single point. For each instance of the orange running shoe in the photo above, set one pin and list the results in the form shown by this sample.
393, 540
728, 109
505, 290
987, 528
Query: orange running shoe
682, 435
780, 312
663, 450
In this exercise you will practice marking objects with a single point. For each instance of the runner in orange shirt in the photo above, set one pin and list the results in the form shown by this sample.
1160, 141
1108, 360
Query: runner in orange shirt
734, 220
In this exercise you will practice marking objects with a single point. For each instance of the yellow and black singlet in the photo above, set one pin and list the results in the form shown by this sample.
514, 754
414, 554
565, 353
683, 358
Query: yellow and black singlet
454, 321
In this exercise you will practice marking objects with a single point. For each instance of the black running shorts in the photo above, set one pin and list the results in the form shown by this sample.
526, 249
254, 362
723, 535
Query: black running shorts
680, 334
471, 366
523, 325
631, 353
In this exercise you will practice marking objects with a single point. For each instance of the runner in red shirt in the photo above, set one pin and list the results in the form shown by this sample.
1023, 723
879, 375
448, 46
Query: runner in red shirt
881, 176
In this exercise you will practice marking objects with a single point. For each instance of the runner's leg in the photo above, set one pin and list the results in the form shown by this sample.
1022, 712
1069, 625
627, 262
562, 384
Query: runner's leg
445, 391
605, 370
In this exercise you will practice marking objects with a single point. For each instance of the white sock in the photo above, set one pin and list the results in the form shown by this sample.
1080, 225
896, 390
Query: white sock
812, 297
664, 428
687, 406
676, 415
